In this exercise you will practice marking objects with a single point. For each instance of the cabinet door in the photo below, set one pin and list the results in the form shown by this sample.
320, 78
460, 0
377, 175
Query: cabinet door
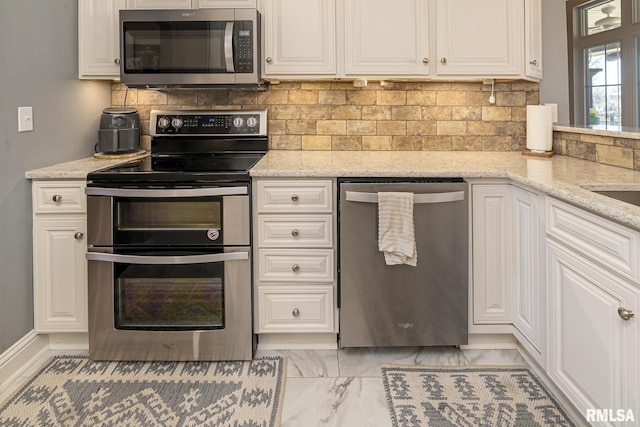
98, 38
593, 352
386, 38
533, 38
204, 4
159, 4
529, 280
492, 254
60, 275
299, 37
480, 37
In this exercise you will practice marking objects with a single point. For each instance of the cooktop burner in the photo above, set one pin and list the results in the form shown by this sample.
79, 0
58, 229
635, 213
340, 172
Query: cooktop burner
194, 146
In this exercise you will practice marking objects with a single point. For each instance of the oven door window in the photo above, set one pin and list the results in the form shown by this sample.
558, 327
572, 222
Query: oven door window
169, 297
168, 221
168, 214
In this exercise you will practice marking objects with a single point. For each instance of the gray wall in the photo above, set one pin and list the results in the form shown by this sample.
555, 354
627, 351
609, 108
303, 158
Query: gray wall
38, 68
554, 87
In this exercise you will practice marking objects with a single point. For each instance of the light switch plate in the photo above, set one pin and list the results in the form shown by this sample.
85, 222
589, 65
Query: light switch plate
25, 119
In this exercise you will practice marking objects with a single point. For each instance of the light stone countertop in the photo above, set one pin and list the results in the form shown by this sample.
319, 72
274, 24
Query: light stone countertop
563, 177
76, 169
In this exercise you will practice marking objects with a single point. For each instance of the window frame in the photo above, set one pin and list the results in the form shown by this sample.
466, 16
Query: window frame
627, 34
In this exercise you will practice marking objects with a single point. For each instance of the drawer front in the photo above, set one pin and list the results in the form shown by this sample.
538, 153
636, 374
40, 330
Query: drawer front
296, 310
286, 196
302, 265
295, 231
613, 245
59, 197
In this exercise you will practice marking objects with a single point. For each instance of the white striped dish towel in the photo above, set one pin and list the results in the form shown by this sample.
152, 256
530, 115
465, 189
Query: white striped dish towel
396, 231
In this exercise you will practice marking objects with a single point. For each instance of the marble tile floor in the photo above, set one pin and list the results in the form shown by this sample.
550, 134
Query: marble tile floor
342, 387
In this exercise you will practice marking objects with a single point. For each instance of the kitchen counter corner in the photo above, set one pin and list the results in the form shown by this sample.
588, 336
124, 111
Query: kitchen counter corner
76, 169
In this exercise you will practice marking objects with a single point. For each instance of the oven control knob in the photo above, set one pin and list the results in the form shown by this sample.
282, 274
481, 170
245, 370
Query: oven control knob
163, 122
252, 122
176, 122
238, 122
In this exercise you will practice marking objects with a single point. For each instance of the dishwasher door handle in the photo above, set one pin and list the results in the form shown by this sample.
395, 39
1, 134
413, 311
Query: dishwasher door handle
452, 196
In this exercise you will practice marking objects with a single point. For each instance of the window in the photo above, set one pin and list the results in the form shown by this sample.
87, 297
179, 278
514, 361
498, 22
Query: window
604, 55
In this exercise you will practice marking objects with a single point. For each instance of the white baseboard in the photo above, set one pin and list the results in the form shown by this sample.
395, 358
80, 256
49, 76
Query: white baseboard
491, 342
20, 356
297, 342
70, 341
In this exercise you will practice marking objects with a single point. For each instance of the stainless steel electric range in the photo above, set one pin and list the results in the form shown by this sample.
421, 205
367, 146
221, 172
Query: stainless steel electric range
169, 242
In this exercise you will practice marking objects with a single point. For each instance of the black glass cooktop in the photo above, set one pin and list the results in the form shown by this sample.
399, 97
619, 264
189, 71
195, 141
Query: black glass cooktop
187, 161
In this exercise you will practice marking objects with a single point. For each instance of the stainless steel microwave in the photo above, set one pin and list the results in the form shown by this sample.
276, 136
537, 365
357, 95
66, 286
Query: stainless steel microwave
189, 48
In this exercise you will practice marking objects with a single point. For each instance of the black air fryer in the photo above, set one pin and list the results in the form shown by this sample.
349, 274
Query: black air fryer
119, 131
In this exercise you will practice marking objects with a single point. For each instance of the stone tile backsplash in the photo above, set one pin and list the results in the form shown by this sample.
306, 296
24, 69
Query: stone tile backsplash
391, 116
423, 116
623, 152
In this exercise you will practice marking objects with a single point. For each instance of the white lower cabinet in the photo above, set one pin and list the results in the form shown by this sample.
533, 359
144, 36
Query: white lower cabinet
492, 254
594, 351
529, 281
593, 291
294, 260
59, 265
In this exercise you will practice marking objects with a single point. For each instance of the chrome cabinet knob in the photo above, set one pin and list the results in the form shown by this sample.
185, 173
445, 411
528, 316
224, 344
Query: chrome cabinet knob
295, 232
443, 60
533, 62
425, 60
625, 314
295, 268
295, 312
57, 198
294, 197
79, 235
269, 60
116, 61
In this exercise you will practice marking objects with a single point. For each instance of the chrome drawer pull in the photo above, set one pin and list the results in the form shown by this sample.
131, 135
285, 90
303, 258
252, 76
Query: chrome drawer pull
57, 198
295, 312
295, 268
625, 314
295, 232
79, 235
294, 197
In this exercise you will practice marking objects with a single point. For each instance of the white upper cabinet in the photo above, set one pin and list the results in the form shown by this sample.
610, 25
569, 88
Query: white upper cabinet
533, 38
481, 38
386, 38
98, 46
159, 4
299, 37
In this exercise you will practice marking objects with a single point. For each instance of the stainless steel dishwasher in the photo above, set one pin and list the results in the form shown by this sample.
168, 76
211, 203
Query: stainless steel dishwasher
400, 305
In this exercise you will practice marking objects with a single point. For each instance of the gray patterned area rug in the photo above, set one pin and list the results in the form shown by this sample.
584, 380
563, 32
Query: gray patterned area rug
468, 396
75, 391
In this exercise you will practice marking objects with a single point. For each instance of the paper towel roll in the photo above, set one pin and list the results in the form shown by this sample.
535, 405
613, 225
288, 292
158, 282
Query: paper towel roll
539, 128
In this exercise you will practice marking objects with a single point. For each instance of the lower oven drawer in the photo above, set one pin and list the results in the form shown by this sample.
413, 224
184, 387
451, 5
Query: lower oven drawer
301, 265
308, 309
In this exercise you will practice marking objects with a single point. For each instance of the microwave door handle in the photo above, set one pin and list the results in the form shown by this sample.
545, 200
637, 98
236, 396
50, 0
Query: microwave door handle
155, 193
228, 47
453, 196
168, 260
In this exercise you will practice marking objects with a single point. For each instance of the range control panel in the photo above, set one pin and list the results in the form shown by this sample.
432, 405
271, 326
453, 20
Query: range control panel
208, 123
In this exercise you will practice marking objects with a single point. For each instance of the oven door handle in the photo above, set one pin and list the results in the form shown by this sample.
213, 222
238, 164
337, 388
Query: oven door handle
151, 193
186, 259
